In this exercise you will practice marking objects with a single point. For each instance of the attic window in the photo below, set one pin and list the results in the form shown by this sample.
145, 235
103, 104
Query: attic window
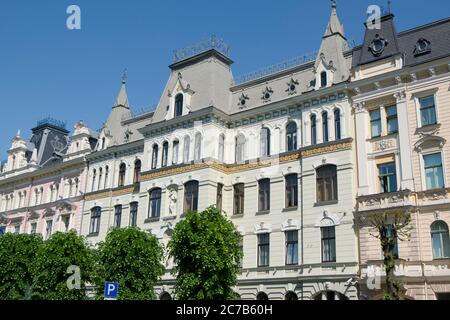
179, 105
422, 46
378, 45
267, 94
243, 100
323, 79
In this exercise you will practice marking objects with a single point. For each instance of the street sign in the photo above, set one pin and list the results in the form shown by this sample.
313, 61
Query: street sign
111, 290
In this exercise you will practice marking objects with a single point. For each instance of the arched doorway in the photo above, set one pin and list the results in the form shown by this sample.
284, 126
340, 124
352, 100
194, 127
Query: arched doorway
330, 295
290, 296
262, 296
165, 296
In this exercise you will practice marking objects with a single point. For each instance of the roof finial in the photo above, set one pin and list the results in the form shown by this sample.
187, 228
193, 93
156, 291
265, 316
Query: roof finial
333, 4
18, 133
389, 6
124, 76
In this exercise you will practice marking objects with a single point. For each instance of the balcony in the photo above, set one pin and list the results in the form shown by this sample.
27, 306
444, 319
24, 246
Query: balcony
385, 201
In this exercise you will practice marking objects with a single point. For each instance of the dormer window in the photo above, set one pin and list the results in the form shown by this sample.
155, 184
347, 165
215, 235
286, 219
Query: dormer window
323, 79
179, 105
378, 45
422, 46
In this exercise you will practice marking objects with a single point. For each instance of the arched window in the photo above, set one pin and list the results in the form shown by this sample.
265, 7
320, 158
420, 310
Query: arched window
165, 154
41, 195
155, 203
291, 136
106, 176
325, 126
179, 105
313, 129
13, 163
186, 149
100, 176
291, 296
337, 124
122, 173
133, 214
265, 142
176, 149
117, 216
70, 192
323, 79
94, 177
240, 148
95, 220
165, 296
191, 196
137, 171
103, 143
221, 148
264, 195
440, 240
326, 179
262, 296
155, 156
198, 146
330, 295
239, 197
328, 243
292, 190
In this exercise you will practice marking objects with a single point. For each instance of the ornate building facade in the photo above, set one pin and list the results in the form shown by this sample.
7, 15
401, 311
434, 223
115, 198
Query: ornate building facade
298, 157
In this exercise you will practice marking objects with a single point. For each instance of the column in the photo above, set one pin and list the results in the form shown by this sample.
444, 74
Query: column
406, 171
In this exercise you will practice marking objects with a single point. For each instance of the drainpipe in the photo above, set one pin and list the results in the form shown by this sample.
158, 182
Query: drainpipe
301, 201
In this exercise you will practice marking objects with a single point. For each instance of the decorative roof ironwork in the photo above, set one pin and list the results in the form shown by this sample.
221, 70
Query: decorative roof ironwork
138, 113
53, 122
213, 42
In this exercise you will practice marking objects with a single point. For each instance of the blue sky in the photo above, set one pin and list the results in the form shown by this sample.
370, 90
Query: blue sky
74, 75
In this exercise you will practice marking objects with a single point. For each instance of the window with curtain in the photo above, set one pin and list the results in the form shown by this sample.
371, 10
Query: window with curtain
291, 247
313, 129
133, 214
48, 229
191, 196
165, 154
427, 110
388, 177
198, 147
291, 191
239, 193
221, 148
178, 105
325, 126
240, 148
392, 119
265, 142
137, 171
155, 203
95, 220
434, 175
326, 177
291, 136
375, 123
122, 173
186, 149
328, 244
264, 194
176, 148
117, 216
263, 249
440, 240
155, 151
337, 124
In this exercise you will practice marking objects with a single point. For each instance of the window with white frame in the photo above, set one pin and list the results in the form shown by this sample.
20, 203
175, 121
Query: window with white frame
434, 175
427, 110
375, 123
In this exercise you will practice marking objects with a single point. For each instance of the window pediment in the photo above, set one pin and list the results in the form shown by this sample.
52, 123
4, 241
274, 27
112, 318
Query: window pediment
430, 142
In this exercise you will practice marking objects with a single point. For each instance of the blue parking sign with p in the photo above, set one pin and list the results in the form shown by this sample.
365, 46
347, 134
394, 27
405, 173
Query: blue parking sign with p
111, 290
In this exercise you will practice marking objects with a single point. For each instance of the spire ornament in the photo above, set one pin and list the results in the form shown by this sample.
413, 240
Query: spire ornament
125, 76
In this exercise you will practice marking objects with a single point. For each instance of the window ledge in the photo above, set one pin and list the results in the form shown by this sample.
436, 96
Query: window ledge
290, 209
168, 218
263, 212
241, 215
92, 235
152, 219
326, 203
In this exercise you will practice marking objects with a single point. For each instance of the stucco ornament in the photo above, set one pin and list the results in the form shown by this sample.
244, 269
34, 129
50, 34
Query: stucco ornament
172, 201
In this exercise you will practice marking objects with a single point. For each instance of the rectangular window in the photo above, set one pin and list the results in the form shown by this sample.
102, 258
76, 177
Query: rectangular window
389, 233
292, 247
17, 229
241, 248
375, 123
155, 203
427, 110
238, 199
219, 196
263, 249
328, 244
117, 216
48, 229
2, 230
133, 214
392, 120
33, 228
264, 195
434, 175
388, 178
66, 222
292, 191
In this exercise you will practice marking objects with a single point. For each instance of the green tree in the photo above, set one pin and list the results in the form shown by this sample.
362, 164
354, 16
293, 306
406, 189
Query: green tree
53, 278
206, 250
389, 228
133, 258
17, 257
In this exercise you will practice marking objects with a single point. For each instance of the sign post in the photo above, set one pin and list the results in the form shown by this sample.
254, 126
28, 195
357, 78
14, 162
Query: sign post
111, 290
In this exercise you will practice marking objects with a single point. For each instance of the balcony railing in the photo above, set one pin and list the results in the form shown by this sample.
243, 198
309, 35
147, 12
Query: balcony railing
383, 201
